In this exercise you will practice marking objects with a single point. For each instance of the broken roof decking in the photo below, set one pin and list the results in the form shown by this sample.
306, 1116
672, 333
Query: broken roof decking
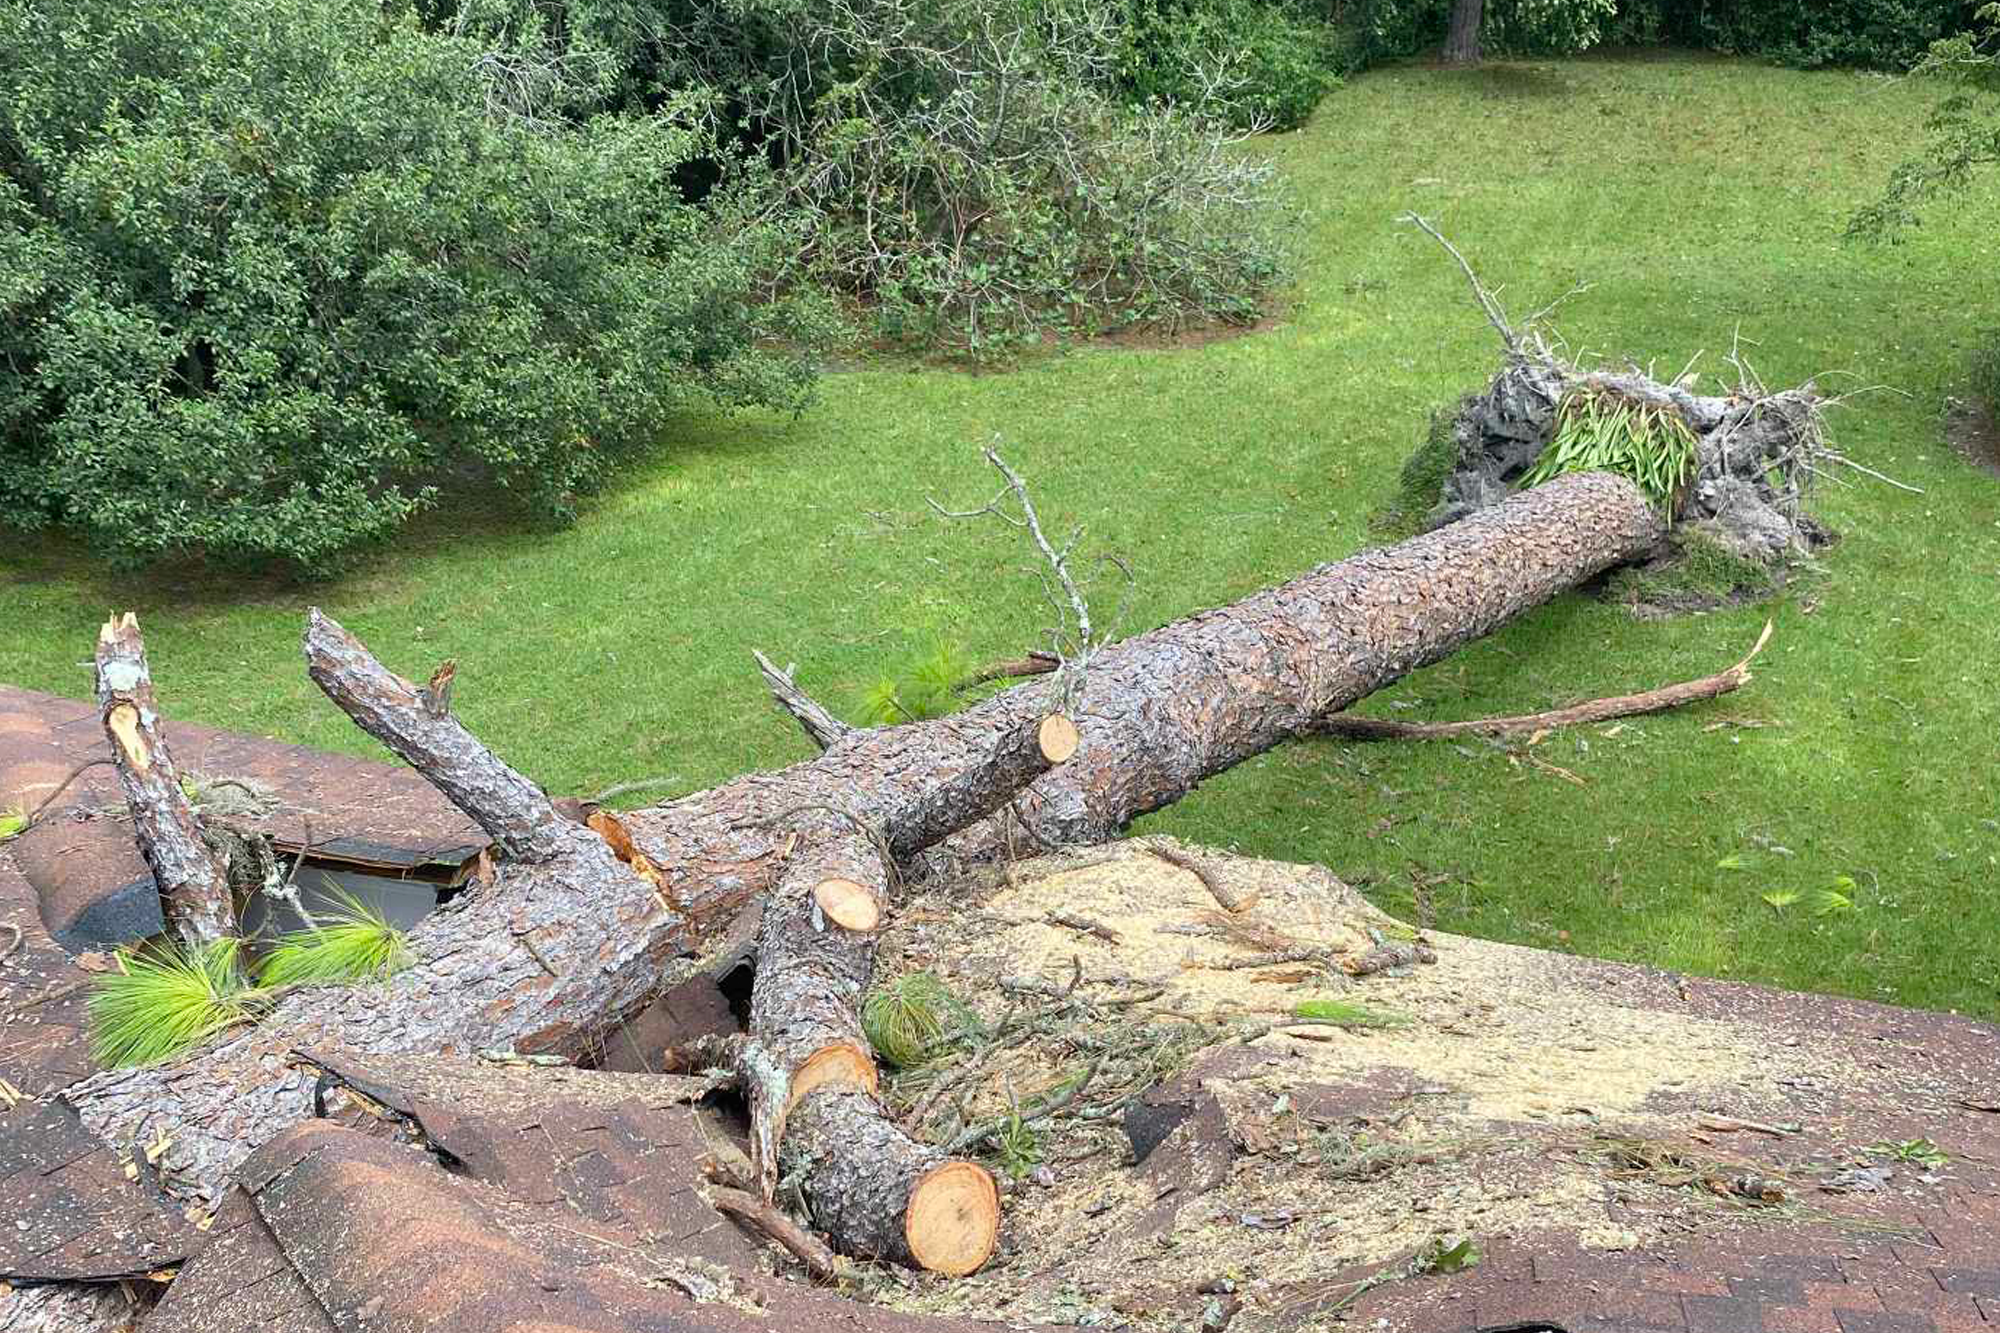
93, 886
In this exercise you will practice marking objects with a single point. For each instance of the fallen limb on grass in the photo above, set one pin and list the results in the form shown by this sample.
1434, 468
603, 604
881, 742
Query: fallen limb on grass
1597, 710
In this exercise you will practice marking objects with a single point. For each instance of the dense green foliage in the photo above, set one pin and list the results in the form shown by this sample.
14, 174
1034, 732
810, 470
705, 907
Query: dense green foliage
270, 275
269, 270
1876, 34
1387, 29
970, 170
1869, 34
1257, 64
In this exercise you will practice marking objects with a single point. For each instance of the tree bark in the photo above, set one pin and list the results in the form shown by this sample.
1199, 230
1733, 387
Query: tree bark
889, 1196
193, 881
806, 993
1165, 710
418, 726
1461, 43
815, 959
555, 952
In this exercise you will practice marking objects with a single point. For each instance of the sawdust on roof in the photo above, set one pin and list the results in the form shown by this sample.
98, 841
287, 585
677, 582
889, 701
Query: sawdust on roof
1508, 1057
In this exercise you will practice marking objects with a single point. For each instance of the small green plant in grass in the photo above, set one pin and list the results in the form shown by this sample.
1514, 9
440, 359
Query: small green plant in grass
1347, 1015
909, 1020
354, 942
1921, 1152
923, 687
1597, 430
1018, 1146
1780, 899
1836, 900
161, 1002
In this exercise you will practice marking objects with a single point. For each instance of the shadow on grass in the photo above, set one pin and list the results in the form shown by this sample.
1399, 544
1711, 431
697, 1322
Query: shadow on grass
473, 517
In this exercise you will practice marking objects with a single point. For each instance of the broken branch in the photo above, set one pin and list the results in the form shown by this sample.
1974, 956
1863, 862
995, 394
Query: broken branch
193, 882
824, 728
773, 1225
1597, 710
517, 813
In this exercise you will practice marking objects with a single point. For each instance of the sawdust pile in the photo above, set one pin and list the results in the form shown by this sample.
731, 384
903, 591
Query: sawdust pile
1349, 1146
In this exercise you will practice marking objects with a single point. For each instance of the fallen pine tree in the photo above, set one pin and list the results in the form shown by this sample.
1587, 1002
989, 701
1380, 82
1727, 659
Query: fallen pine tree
580, 926
567, 939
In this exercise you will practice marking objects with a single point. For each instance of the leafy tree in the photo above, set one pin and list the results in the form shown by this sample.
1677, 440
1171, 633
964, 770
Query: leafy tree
1562, 25
1964, 128
271, 269
972, 172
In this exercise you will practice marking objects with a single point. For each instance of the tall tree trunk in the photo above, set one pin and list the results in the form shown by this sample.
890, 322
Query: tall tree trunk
560, 948
1461, 43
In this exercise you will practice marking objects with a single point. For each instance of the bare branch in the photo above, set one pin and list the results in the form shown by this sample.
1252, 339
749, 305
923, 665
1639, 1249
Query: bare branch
824, 728
1073, 639
517, 813
1487, 302
1597, 710
193, 882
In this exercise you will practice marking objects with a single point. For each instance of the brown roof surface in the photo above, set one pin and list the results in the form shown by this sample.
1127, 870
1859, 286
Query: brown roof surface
43, 1046
74, 1209
570, 1207
364, 811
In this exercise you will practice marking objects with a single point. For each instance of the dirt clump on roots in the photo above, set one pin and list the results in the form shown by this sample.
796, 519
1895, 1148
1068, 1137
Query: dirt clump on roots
1460, 1097
1974, 430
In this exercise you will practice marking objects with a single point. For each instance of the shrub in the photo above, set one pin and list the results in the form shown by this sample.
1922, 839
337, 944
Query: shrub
1253, 63
1388, 29
270, 271
1880, 34
967, 175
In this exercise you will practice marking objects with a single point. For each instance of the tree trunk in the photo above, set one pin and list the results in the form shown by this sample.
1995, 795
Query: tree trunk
815, 958
558, 949
1461, 43
889, 1196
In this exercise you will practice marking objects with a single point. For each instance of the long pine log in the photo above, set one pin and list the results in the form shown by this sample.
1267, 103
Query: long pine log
557, 951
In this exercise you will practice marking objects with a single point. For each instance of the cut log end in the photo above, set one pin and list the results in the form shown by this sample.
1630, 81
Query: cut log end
953, 1221
849, 905
1059, 738
843, 1065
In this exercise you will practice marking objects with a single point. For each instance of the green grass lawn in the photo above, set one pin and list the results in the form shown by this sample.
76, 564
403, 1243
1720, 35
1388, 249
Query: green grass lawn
1701, 197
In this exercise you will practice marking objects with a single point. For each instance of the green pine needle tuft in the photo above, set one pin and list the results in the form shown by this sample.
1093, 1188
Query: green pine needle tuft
910, 1019
162, 1002
354, 942
1347, 1015
1599, 430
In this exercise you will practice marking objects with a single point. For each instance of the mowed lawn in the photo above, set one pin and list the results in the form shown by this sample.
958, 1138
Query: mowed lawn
1701, 198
